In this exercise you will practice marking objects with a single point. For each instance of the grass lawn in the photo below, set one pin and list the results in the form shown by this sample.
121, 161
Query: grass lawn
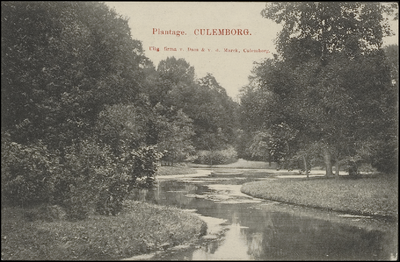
241, 163
175, 170
143, 228
368, 196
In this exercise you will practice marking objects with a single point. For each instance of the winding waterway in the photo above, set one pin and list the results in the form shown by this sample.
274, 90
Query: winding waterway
241, 227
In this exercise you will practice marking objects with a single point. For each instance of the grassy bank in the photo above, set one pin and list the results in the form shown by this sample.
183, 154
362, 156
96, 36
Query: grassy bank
241, 163
175, 170
368, 196
142, 229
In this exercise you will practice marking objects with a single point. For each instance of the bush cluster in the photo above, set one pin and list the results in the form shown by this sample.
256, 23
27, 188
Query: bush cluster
218, 157
28, 173
86, 178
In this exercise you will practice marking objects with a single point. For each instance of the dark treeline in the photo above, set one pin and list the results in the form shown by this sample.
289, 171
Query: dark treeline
86, 117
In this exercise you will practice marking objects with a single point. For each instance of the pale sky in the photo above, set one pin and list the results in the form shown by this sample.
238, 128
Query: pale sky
231, 69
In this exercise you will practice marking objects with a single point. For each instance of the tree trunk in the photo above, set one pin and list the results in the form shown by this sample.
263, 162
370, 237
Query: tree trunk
337, 166
328, 162
305, 165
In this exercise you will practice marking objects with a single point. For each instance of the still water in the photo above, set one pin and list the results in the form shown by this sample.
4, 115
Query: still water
245, 228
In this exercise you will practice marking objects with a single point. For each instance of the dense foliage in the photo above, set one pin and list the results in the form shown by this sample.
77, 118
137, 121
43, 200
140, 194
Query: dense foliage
193, 114
61, 63
86, 117
328, 94
203, 100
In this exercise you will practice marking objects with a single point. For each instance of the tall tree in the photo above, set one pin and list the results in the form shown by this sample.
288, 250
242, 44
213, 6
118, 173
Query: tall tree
317, 29
72, 78
392, 55
61, 63
203, 100
331, 78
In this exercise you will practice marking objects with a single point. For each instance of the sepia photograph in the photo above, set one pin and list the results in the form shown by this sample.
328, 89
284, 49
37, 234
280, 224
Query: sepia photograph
199, 131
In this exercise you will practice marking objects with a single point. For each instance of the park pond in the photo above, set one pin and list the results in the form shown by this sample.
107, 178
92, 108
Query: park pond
241, 227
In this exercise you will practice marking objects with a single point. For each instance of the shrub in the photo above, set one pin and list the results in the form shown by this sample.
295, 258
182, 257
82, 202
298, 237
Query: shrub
95, 179
88, 169
45, 212
89, 177
145, 165
28, 173
133, 168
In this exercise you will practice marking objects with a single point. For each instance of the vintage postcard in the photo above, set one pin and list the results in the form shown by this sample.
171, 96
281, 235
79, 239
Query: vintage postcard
199, 130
